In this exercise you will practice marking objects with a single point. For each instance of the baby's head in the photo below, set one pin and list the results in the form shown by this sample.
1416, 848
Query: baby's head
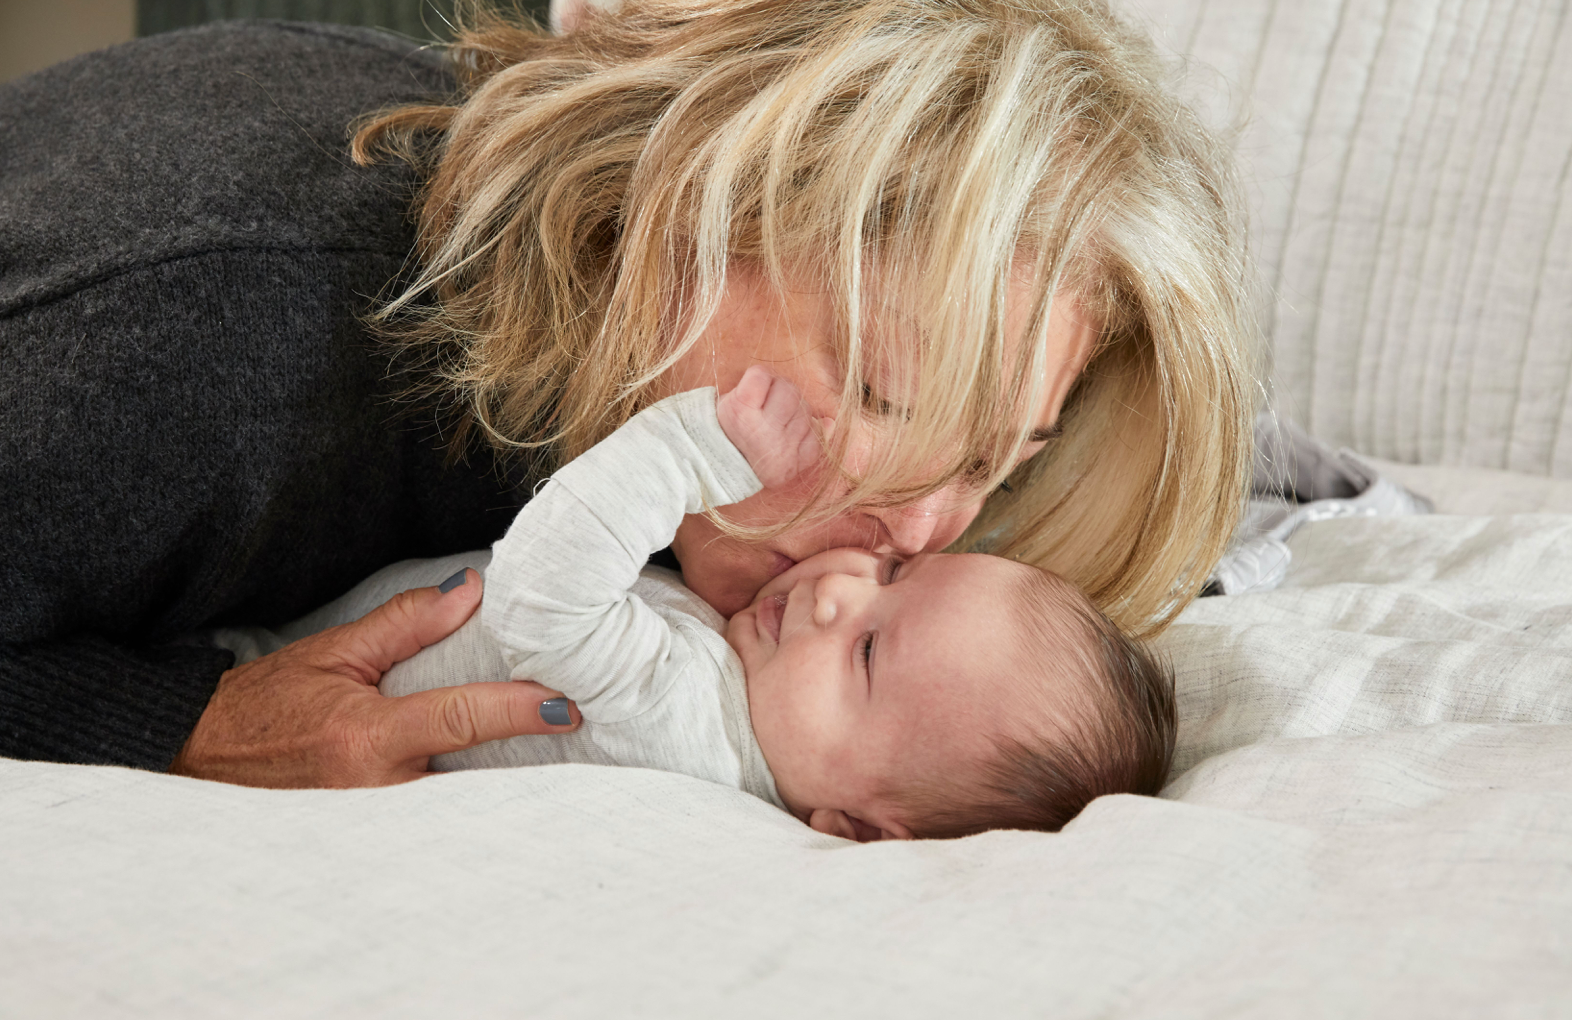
943, 695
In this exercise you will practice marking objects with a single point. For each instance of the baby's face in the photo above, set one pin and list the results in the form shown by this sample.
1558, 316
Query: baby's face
866, 670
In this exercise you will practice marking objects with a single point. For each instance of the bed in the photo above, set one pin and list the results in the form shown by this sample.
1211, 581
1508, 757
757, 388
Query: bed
1370, 812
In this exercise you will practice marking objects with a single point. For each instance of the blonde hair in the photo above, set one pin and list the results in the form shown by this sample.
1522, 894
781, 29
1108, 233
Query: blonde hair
588, 193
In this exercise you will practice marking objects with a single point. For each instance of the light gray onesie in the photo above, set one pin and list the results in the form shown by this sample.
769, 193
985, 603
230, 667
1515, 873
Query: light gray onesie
570, 603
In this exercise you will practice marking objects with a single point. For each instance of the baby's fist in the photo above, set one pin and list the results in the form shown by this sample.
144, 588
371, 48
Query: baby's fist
765, 417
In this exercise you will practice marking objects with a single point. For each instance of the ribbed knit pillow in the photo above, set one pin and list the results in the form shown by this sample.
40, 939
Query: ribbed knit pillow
1408, 165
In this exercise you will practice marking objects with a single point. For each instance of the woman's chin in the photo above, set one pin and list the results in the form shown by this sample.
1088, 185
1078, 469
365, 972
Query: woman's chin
722, 571
728, 586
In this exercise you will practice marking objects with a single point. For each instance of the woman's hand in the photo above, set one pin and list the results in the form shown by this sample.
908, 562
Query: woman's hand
766, 418
310, 714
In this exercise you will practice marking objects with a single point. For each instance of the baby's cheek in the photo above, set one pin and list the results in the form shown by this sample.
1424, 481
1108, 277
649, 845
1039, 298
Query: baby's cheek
768, 711
816, 712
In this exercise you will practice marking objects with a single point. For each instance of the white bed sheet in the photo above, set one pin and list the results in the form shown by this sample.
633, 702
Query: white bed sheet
1371, 817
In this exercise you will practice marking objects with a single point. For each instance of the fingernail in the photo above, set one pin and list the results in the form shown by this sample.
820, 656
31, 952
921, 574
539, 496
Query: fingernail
453, 582
555, 712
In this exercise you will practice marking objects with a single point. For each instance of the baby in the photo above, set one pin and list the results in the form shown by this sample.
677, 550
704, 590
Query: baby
872, 696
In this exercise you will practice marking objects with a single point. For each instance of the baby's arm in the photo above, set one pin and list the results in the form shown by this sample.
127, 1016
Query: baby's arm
557, 598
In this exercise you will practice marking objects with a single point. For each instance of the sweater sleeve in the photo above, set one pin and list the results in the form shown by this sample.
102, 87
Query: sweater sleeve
557, 593
195, 426
128, 706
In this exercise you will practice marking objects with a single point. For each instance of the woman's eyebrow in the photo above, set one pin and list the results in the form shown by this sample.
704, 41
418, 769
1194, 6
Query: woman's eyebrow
1053, 431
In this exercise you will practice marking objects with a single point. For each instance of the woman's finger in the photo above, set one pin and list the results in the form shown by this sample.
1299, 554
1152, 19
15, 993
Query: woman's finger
557, 713
448, 719
405, 624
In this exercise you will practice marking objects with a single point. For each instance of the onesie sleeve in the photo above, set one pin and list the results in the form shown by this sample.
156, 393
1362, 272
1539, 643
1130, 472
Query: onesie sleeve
557, 593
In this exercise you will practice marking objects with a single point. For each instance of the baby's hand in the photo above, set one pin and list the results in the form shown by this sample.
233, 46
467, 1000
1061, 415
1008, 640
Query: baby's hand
766, 418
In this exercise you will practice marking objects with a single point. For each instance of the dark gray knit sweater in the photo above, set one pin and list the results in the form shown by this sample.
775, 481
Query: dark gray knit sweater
193, 423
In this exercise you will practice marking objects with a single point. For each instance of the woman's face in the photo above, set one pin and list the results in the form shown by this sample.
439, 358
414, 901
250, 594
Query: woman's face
792, 335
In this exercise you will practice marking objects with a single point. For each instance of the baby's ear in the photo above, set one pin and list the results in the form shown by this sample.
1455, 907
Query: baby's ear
834, 822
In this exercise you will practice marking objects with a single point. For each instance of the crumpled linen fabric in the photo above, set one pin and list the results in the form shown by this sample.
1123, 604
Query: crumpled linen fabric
1370, 816
1299, 479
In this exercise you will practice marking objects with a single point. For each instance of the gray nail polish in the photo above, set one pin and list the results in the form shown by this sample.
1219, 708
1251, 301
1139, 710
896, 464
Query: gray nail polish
555, 712
453, 582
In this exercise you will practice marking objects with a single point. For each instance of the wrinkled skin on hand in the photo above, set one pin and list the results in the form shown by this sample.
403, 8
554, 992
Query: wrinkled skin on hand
310, 714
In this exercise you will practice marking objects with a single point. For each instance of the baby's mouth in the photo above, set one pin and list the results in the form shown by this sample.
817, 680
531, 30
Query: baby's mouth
770, 612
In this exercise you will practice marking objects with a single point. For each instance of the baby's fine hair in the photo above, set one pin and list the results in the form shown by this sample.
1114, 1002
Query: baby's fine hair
1099, 713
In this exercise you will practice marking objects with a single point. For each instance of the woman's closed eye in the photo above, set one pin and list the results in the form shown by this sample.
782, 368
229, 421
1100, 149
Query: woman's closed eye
879, 407
979, 472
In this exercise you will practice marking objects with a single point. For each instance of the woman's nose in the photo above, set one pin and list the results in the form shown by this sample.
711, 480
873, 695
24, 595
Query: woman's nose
928, 525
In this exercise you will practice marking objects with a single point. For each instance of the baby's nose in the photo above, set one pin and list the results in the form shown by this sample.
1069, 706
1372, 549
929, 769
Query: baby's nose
825, 606
835, 594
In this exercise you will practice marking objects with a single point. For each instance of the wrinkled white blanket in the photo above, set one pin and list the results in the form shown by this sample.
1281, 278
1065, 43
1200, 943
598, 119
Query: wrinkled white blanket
1372, 817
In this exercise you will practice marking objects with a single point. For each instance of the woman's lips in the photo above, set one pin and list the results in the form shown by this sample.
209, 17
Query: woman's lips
770, 612
781, 564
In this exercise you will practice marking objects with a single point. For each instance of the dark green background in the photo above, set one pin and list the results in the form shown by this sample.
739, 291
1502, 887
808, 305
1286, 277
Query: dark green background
420, 19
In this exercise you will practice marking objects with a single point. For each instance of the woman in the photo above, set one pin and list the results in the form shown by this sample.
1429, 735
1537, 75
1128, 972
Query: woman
970, 232
960, 227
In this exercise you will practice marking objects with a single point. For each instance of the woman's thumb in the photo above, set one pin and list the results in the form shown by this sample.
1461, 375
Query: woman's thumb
411, 620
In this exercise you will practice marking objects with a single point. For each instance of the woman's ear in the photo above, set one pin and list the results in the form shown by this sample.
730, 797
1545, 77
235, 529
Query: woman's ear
834, 822
566, 15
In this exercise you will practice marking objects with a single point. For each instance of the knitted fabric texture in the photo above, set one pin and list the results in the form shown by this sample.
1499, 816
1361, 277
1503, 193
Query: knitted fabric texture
195, 425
